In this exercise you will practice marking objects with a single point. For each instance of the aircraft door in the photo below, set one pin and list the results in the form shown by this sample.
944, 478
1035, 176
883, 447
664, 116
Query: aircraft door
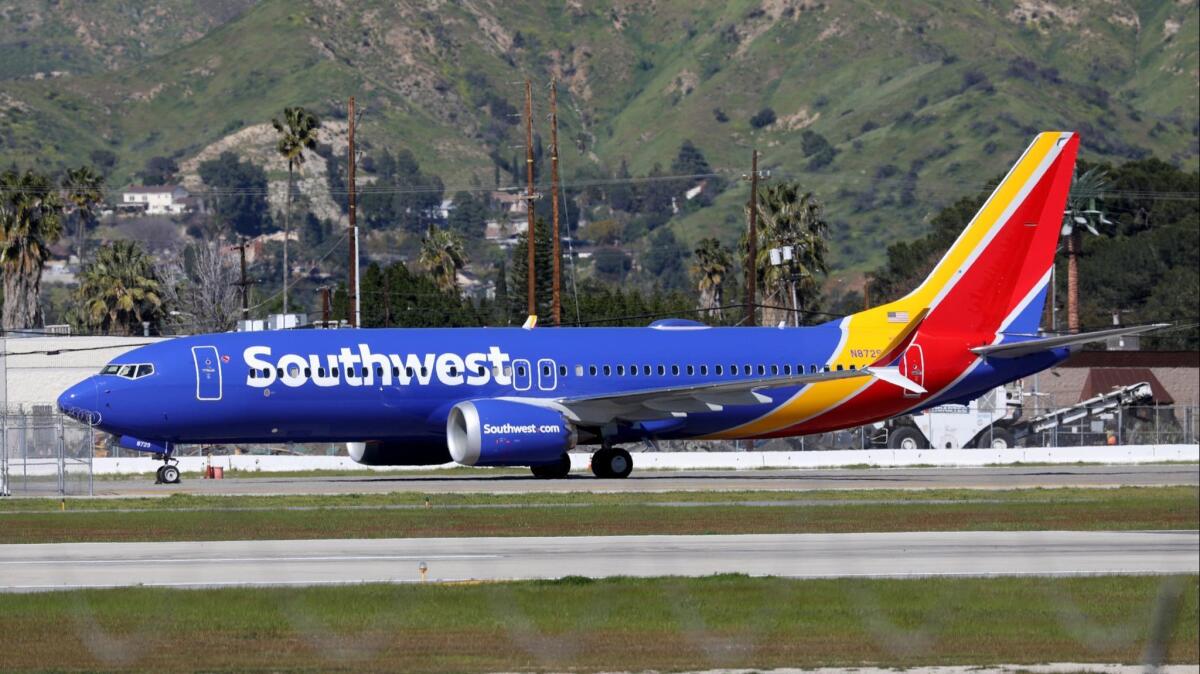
547, 374
522, 375
208, 372
913, 367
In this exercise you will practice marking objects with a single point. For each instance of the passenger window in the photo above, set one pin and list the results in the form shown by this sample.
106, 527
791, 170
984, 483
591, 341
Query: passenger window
704, 370
719, 371
691, 370
409, 371
520, 370
453, 369
620, 370
545, 368
748, 370
633, 370
395, 370
787, 369
812, 369
646, 370
425, 370
607, 369
839, 367
562, 370
307, 372
851, 366
774, 369
762, 369
578, 371
254, 374
592, 370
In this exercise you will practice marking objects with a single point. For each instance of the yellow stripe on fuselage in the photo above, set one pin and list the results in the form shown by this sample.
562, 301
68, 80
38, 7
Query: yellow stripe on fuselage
870, 332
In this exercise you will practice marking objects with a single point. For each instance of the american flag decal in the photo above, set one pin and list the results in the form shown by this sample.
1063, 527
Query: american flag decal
897, 317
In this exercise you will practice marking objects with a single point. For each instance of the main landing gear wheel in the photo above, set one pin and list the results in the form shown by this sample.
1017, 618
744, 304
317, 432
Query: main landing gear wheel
553, 471
612, 462
167, 474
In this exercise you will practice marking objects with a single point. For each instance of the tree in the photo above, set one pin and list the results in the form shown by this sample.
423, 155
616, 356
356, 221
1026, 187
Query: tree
159, 171
85, 189
297, 133
239, 193
712, 264
202, 295
30, 211
518, 273
118, 290
790, 217
664, 259
442, 256
411, 200
468, 217
764, 117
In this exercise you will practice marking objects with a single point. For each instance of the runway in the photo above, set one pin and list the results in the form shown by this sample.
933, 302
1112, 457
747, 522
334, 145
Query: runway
999, 477
314, 562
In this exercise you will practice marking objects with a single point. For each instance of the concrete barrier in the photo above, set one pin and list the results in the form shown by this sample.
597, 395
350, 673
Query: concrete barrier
884, 458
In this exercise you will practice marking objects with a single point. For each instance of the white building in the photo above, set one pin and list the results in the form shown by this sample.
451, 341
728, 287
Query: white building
158, 199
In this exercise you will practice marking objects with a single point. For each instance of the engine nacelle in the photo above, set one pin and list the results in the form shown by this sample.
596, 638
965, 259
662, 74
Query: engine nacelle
375, 453
507, 433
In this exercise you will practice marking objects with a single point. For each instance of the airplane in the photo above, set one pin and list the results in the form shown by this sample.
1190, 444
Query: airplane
526, 396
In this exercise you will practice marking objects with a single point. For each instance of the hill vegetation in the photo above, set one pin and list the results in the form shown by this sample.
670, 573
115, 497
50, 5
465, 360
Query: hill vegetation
887, 112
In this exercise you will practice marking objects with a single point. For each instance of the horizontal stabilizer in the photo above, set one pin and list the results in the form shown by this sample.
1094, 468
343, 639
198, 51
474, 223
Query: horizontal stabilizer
1018, 349
892, 375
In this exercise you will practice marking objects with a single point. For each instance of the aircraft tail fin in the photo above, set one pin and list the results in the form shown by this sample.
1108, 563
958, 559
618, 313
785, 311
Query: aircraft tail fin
995, 275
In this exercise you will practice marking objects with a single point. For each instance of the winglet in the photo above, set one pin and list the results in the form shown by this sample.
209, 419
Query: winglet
892, 376
530, 322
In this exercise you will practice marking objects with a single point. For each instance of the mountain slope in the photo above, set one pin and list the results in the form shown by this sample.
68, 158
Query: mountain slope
920, 104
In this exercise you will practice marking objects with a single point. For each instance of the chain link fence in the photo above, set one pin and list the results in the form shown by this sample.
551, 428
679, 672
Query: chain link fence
44, 452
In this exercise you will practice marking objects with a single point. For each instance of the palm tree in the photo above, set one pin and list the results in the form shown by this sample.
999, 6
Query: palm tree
118, 290
790, 217
711, 264
29, 223
1081, 213
84, 188
442, 256
297, 133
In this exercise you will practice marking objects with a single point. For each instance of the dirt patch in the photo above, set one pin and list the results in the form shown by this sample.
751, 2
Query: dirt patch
1033, 11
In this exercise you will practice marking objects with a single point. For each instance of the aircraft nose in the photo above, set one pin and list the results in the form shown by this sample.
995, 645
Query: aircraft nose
81, 402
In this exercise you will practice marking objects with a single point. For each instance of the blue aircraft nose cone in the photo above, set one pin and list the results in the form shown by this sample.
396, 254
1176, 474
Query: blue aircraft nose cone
81, 402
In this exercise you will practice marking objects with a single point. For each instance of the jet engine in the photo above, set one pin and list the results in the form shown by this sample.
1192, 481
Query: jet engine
507, 433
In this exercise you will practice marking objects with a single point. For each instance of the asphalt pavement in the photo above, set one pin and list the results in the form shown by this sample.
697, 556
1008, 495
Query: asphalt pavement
316, 562
482, 481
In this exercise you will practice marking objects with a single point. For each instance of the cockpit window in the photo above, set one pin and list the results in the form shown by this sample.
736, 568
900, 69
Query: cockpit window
129, 371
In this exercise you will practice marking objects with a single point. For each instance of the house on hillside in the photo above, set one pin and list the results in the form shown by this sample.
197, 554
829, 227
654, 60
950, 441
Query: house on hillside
159, 199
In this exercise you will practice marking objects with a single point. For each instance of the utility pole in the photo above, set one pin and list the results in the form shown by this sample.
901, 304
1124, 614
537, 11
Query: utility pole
752, 252
325, 306
530, 238
244, 284
352, 288
556, 302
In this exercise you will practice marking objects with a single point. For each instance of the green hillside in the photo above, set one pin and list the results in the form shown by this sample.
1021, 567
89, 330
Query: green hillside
921, 103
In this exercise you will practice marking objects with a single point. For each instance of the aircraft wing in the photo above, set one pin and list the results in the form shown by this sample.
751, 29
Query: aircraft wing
678, 401
1018, 349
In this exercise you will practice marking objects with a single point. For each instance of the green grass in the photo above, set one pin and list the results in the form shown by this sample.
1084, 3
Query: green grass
184, 517
583, 625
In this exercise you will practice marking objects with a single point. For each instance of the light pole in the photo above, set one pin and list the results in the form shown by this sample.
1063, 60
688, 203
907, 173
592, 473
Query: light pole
785, 256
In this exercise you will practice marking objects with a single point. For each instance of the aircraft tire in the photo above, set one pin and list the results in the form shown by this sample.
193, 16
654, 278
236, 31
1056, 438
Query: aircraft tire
553, 471
612, 463
170, 474
158, 476
907, 438
600, 463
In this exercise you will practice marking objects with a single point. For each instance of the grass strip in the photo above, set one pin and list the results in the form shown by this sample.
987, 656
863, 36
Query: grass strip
1096, 509
615, 624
